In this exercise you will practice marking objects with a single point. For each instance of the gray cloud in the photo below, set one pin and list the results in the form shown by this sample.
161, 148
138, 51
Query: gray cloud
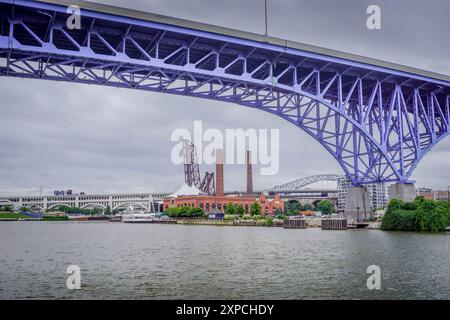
95, 139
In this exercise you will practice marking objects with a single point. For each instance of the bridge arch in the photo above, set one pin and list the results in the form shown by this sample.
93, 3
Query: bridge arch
31, 207
59, 205
93, 206
303, 182
125, 205
376, 121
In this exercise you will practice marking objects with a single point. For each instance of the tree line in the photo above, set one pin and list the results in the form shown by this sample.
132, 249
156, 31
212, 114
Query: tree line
420, 215
292, 208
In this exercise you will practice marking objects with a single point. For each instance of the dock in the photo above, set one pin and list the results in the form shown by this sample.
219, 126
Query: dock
334, 224
294, 224
358, 225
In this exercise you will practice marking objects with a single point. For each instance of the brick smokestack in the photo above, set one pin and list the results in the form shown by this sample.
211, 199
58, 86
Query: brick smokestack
249, 173
219, 173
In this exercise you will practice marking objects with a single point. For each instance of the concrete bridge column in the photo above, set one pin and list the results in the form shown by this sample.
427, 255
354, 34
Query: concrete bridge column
402, 191
357, 204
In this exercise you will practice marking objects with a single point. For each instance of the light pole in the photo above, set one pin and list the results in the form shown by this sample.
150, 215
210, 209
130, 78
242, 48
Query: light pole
265, 18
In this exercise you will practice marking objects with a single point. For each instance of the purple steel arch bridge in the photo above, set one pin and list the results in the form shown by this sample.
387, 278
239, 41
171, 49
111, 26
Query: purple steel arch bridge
377, 119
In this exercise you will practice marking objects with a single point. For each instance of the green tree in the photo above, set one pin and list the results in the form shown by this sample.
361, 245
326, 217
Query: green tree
431, 217
419, 215
277, 212
268, 222
172, 212
281, 216
255, 209
185, 212
325, 207
229, 217
292, 207
231, 209
7, 209
240, 211
197, 212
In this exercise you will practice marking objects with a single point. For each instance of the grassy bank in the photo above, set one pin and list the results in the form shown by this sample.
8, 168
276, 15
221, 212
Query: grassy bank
12, 215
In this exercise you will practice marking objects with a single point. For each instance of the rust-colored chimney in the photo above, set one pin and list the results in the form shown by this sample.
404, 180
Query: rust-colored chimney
249, 173
219, 173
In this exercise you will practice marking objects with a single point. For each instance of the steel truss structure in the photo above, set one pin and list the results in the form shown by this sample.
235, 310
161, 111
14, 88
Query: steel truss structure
303, 182
191, 167
377, 122
192, 170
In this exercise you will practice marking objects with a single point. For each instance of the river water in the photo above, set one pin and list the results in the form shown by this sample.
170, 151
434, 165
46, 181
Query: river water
123, 261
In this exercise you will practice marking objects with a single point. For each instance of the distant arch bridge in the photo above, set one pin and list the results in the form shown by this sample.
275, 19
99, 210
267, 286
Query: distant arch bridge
300, 184
144, 201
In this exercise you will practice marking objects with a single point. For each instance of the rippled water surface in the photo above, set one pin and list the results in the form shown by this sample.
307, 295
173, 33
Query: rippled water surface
123, 261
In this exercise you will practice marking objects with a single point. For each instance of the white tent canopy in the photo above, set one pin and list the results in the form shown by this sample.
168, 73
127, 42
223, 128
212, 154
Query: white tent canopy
186, 190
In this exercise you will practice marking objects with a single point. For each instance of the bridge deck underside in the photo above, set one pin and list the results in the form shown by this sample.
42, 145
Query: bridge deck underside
377, 123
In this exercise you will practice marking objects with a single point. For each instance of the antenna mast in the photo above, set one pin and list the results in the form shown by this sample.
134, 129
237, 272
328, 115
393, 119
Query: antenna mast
265, 17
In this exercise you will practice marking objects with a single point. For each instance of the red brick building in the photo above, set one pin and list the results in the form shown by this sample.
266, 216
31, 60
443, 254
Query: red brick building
190, 196
210, 203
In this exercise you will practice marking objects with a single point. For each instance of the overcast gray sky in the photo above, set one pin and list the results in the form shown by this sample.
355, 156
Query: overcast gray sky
96, 139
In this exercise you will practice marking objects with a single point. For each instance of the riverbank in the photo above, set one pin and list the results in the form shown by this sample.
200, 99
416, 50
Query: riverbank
309, 222
230, 223
12, 216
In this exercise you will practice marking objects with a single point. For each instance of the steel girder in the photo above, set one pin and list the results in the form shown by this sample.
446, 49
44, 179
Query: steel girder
377, 123
303, 182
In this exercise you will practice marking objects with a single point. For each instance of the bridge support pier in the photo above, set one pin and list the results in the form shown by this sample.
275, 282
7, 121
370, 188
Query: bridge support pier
402, 191
357, 204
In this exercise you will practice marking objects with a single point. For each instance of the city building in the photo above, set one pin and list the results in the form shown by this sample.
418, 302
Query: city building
436, 195
441, 195
379, 197
426, 193
191, 196
220, 203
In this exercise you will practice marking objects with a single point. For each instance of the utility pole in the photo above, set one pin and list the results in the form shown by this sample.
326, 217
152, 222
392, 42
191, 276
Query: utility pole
265, 17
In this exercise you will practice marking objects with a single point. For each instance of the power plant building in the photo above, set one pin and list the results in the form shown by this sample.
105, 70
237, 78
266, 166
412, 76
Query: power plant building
190, 196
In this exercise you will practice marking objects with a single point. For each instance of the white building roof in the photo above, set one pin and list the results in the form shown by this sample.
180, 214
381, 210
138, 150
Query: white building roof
186, 190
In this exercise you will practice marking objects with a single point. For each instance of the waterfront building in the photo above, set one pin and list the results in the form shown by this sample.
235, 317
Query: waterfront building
220, 203
426, 193
379, 197
436, 195
441, 195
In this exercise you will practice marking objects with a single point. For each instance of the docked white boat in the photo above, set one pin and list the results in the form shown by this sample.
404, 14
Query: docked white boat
133, 216
139, 218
